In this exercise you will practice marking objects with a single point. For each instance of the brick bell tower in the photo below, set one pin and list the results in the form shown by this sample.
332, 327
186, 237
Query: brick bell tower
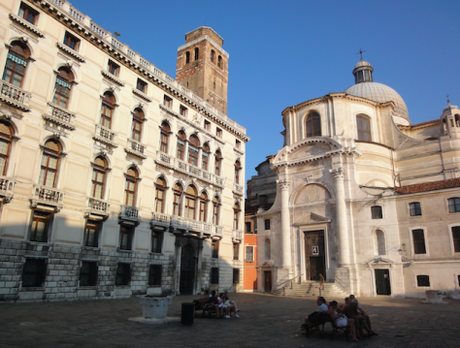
202, 66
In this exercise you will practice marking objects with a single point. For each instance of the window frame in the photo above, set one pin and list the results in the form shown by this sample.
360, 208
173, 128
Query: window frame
20, 55
267, 223
416, 244
97, 183
421, 280
26, 10
123, 274
236, 276
138, 120
313, 125
92, 239
141, 85
49, 156
40, 274
214, 277
376, 212
236, 251
107, 109
7, 140
91, 273
61, 91
415, 209
46, 218
126, 237
177, 204
130, 187
455, 240
157, 242
218, 132
155, 275
215, 249
249, 253
71, 41
160, 200
363, 134
454, 204
167, 101
113, 68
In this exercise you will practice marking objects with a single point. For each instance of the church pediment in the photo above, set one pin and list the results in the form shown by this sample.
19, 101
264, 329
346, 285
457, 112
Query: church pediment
380, 261
311, 219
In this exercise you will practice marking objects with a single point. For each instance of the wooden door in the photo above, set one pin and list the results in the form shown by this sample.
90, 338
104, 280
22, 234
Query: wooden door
267, 281
315, 255
382, 282
187, 270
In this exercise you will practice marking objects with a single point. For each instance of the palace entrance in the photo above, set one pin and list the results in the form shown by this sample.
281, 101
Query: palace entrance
315, 255
382, 282
187, 269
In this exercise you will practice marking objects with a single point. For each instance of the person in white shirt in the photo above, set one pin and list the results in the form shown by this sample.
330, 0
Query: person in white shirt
322, 307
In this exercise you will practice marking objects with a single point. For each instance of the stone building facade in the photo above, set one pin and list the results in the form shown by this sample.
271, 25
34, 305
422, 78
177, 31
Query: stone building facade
363, 198
116, 178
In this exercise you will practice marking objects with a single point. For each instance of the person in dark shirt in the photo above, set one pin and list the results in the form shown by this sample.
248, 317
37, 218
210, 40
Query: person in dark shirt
366, 316
351, 311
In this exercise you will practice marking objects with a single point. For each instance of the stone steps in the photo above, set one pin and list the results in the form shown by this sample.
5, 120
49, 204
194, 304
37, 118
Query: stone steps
310, 288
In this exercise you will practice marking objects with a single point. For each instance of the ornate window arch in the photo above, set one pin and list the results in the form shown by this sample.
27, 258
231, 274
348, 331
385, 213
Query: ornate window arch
190, 202
107, 108
160, 192
176, 202
193, 150
62, 87
138, 119
313, 125
165, 130
50, 163
363, 125
6, 133
16, 63
132, 176
99, 177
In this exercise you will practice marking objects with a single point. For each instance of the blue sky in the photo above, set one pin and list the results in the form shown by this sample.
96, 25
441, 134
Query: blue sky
283, 53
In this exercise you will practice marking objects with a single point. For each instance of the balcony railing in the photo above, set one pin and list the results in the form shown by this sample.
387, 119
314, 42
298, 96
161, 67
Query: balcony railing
237, 235
238, 189
136, 148
160, 219
14, 96
105, 135
129, 214
6, 188
176, 164
97, 206
60, 116
47, 196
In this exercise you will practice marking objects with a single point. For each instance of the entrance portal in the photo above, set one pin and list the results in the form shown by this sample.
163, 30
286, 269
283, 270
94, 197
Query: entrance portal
315, 255
267, 281
187, 270
382, 281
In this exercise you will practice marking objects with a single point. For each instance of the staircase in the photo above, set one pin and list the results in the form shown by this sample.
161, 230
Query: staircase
310, 288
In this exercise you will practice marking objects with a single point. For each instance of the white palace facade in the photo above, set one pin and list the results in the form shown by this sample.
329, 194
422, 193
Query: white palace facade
116, 179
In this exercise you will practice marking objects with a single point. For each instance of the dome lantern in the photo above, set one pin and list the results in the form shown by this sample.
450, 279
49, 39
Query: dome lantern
363, 72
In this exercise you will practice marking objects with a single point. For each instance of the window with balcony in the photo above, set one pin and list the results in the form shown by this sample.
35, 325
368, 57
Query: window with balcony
415, 209
28, 13
214, 275
6, 132
218, 162
160, 190
16, 63
71, 41
190, 202
313, 125
126, 237
40, 228
108, 106
456, 238
218, 132
454, 205
181, 145
130, 187
88, 273
215, 210
177, 209
113, 68
193, 150
62, 87
167, 101
236, 216
183, 111
123, 276
34, 273
237, 172
138, 118
376, 212
187, 57
157, 241
50, 163
213, 54
98, 178
197, 53
418, 238
165, 130
363, 125
205, 156
207, 125
236, 251
155, 273
215, 249
92, 232
249, 254
203, 206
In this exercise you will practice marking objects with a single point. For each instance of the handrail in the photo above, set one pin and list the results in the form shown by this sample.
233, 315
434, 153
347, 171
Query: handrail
321, 287
283, 285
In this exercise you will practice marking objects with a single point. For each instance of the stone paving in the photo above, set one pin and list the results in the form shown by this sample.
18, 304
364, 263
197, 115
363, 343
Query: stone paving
265, 321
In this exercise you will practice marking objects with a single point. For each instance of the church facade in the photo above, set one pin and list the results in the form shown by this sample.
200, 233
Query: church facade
116, 179
360, 196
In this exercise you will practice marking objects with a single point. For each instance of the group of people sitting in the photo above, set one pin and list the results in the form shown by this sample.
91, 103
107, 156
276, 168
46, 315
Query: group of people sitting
220, 302
347, 314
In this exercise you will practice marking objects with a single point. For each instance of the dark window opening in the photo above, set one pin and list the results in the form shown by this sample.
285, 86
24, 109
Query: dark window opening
155, 274
415, 209
236, 276
126, 237
28, 13
215, 249
167, 101
41, 222
267, 224
141, 86
113, 68
92, 230
123, 274
71, 41
34, 273
88, 273
376, 212
157, 241
214, 275
236, 251
423, 280
197, 53
456, 238
248, 227
419, 241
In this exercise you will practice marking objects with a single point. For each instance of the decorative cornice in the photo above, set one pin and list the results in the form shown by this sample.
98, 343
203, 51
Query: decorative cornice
70, 52
141, 94
26, 24
112, 77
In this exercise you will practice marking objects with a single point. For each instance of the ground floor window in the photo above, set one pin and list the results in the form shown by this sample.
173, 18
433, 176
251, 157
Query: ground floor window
236, 276
157, 241
214, 275
34, 273
92, 230
155, 275
423, 280
123, 274
41, 222
88, 273
126, 237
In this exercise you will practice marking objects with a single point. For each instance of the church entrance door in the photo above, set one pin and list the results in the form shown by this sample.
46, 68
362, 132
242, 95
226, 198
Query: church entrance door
187, 270
267, 281
315, 255
382, 282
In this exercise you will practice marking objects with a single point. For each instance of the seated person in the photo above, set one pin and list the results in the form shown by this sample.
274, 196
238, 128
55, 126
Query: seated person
351, 311
211, 303
322, 307
223, 309
230, 304
341, 320
366, 316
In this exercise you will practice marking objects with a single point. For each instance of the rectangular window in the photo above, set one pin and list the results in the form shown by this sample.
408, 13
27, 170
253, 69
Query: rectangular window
419, 242
193, 155
249, 254
155, 274
248, 227
423, 280
183, 111
267, 224
28, 13
126, 237
207, 125
88, 273
113, 68
236, 251
215, 249
456, 239
71, 41
41, 223
167, 101
141, 86
238, 144
214, 275
376, 212
92, 230
219, 132
415, 209
123, 274
157, 241
454, 205
236, 276
34, 273
180, 149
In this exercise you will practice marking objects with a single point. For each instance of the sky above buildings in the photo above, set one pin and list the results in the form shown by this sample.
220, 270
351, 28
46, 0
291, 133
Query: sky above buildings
285, 52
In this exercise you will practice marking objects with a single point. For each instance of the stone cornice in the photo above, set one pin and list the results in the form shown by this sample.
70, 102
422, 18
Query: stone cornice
26, 24
112, 77
70, 52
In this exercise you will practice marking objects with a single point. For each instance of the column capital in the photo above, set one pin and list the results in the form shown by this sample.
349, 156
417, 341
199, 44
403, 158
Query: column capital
337, 173
283, 184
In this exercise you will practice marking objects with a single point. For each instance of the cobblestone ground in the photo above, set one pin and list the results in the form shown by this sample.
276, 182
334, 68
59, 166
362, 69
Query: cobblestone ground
265, 321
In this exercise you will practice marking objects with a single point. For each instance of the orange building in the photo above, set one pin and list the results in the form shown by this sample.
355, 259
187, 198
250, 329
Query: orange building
250, 252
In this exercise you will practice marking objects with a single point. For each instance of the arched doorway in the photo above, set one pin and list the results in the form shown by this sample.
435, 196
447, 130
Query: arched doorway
187, 270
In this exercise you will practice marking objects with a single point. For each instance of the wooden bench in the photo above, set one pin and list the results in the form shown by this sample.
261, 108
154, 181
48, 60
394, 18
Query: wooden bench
322, 319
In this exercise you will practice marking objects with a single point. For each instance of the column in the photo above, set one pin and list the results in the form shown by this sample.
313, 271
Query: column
285, 225
341, 216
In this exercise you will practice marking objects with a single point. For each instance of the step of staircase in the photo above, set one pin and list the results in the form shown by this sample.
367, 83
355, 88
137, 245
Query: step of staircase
330, 291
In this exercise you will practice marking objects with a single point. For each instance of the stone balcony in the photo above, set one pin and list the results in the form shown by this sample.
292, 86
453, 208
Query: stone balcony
48, 196
237, 236
129, 215
136, 148
6, 188
105, 136
97, 207
186, 168
238, 189
58, 117
161, 221
14, 96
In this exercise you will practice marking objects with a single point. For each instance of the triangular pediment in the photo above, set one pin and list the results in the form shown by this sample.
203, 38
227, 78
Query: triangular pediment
380, 261
311, 219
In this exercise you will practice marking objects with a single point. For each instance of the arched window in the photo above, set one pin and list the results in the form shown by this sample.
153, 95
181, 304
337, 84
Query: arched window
164, 137
213, 53
180, 145
203, 206
130, 187
197, 53
62, 87
215, 210
176, 203
363, 125
267, 249
187, 57
5, 142
193, 150
108, 105
205, 156
380, 243
219, 62
160, 188
217, 160
236, 216
50, 162
190, 202
98, 180
138, 118
313, 125
16, 63
237, 172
